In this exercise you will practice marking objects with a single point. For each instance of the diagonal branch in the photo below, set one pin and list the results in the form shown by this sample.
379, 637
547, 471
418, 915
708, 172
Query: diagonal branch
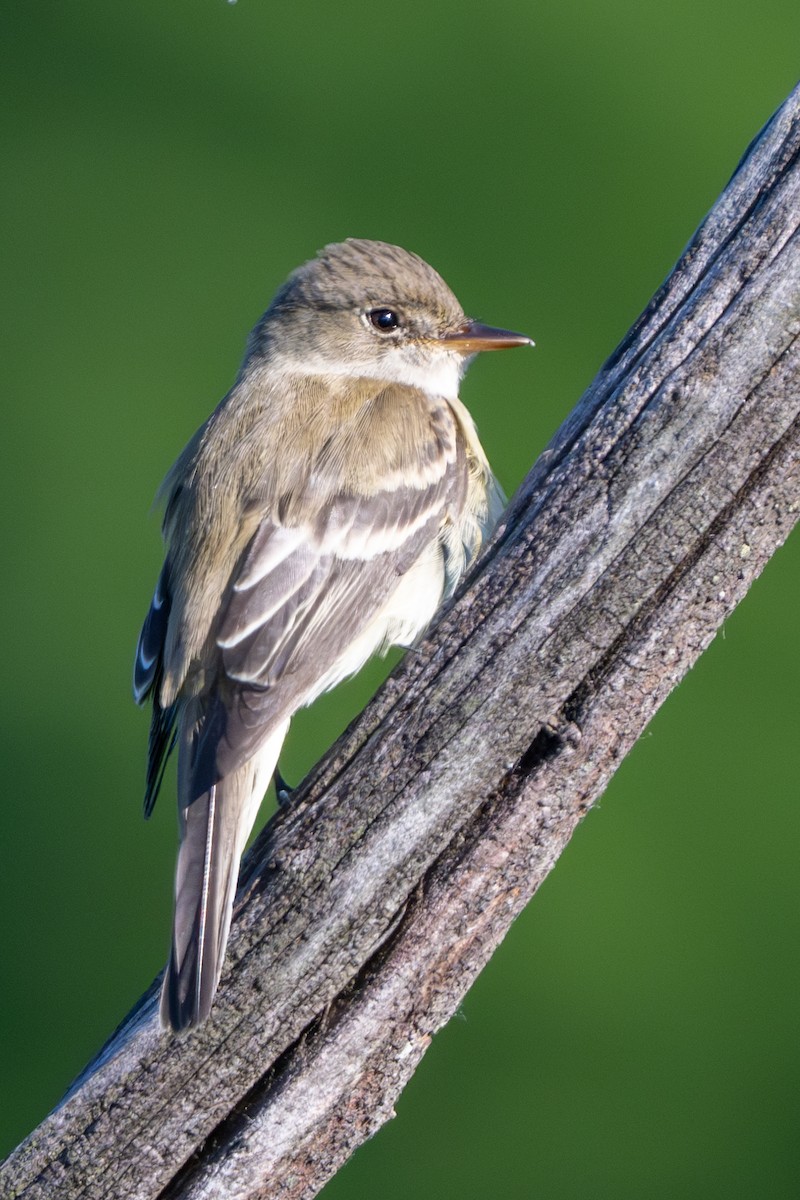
370, 907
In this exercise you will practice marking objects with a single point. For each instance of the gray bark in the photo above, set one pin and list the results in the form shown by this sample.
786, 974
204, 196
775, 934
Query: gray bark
369, 908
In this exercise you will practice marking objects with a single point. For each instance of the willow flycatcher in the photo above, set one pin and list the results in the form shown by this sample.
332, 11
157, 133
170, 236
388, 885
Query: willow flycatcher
321, 514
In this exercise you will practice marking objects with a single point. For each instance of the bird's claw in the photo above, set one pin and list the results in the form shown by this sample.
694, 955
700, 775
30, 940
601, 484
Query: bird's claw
283, 792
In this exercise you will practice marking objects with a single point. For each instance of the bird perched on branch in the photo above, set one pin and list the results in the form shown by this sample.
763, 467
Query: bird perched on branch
321, 514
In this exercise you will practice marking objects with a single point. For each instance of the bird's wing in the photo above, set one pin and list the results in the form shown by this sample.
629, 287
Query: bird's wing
151, 641
306, 591
147, 673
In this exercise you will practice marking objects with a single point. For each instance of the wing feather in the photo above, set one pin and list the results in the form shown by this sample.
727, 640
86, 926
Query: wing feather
324, 575
317, 600
310, 596
147, 675
150, 646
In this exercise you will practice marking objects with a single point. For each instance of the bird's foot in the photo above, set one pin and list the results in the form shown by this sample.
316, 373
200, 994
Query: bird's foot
283, 792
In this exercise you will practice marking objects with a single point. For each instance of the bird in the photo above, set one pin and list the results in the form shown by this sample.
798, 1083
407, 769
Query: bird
322, 513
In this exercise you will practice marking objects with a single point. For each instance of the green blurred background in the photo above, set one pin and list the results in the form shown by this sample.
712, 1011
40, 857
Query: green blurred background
166, 165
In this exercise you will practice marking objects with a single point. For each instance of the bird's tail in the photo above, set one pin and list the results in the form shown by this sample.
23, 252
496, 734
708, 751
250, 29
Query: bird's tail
214, 828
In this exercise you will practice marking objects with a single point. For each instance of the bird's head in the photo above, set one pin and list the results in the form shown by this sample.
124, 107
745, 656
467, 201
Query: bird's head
368, 309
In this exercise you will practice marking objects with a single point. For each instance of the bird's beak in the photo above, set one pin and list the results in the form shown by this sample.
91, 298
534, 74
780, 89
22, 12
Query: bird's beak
472, 337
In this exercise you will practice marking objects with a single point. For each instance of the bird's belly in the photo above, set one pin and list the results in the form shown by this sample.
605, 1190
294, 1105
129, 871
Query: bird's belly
404, 615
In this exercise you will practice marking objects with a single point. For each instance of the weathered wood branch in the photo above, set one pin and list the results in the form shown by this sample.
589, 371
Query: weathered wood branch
370, 907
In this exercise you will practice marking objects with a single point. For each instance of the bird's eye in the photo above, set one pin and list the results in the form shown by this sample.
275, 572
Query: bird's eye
385, 320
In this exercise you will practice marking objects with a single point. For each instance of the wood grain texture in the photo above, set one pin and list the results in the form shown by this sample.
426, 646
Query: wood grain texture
369, 908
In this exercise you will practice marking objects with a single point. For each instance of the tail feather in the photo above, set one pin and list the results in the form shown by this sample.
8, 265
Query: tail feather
214, 828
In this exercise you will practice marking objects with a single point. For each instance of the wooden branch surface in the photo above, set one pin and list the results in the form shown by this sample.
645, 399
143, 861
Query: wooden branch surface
370, 907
